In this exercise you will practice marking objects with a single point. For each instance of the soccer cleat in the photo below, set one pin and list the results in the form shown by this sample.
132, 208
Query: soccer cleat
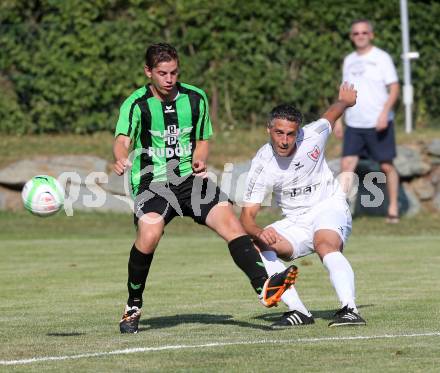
276, 285
292, 318
347, 316
130, 320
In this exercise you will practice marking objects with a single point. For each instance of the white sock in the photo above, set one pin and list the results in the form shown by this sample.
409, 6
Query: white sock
271, 262
341, 277
290, 297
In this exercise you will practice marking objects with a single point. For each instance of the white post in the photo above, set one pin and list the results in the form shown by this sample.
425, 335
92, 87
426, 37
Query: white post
406, 56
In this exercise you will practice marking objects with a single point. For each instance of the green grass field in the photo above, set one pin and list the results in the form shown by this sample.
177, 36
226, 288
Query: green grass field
63, 289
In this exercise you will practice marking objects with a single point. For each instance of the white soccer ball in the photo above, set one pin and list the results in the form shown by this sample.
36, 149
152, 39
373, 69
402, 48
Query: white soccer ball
43, 195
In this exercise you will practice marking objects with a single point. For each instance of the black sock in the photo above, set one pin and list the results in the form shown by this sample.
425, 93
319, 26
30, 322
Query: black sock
248, 259
138, 267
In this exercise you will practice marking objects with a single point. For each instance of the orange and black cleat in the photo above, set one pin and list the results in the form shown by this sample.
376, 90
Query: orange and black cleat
130, 320
276, 285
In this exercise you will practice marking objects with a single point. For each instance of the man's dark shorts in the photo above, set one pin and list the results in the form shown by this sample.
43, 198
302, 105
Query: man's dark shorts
368, 143
190, 196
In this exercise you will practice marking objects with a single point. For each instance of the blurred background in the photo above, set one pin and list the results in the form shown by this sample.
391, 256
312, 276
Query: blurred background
66, 66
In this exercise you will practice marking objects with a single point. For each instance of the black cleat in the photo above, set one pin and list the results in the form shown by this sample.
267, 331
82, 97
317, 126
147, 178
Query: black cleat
130, 320
276, 285
347, 316
292, 318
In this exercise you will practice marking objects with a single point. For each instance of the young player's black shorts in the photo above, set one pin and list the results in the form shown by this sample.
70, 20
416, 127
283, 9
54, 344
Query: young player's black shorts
188, 196
368, 143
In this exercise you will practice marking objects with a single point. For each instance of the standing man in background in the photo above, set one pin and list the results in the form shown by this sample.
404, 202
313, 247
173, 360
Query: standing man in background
370, 127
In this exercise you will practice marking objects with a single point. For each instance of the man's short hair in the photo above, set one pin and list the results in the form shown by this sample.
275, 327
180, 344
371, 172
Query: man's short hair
160, 52
285, 111
362, 20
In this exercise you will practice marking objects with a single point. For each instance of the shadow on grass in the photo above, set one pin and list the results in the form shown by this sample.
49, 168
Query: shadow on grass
73, 334
317, 314
208, 319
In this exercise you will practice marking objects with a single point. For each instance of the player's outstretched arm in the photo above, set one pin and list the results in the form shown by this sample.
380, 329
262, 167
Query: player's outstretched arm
248, 219
121, 146
347, 98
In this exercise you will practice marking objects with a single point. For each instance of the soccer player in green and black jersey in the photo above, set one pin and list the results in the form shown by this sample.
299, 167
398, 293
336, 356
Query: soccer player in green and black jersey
167, 124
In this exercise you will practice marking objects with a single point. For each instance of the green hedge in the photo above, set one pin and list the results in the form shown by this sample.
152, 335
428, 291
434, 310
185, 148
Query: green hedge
65, 66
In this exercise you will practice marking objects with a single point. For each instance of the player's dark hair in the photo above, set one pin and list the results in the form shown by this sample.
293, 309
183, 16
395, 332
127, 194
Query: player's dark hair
285, 111
362, 20
160, 52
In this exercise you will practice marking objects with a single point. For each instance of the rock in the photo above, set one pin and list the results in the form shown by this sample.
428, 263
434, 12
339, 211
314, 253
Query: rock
10, 200
367, 165
435, 161
216, 171
435, 176
413, 202
409, 162
335, 166
434, 147
423, 188
21, 171
233, 180
372, 195
371, 198
120, 185
117, 184
94, 198
436, 201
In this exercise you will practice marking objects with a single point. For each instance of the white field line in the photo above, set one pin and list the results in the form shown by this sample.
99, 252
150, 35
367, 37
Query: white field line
213, 344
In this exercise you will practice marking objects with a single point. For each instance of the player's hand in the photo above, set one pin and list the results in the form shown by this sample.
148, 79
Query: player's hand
347, 94
121, 165
269, 236
382, 122
199, 169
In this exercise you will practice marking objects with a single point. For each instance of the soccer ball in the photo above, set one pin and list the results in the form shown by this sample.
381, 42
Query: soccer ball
43, 195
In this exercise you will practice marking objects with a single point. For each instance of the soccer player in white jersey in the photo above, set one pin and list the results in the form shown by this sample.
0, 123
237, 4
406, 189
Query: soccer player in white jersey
316, 215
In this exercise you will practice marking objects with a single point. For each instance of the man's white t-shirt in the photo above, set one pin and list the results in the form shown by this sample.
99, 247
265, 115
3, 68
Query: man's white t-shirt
370, 73
299, 181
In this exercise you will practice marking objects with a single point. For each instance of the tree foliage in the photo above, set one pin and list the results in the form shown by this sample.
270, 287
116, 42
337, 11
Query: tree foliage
65, 66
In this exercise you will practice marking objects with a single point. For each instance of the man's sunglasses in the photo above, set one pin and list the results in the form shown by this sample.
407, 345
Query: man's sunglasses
360, 33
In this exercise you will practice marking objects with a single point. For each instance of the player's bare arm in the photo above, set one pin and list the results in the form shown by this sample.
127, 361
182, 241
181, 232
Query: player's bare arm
347, 98
382, 121
121, 147
248, 219
200, 158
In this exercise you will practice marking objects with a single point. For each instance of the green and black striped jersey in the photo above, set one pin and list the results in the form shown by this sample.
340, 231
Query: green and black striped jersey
163, 134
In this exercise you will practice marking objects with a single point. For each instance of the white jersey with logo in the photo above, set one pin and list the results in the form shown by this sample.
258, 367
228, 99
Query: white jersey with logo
370, 73
299, 181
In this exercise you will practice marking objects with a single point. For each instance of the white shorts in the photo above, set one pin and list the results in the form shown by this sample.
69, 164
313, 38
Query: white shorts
333, 214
